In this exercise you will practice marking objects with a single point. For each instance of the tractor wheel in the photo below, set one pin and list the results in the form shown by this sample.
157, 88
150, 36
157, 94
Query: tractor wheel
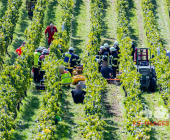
153, 85
153, 73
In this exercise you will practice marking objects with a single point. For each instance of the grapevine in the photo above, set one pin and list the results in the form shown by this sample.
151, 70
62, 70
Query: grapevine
52, 98
130, 78
155, 40
17, 76
93, 126
7, 24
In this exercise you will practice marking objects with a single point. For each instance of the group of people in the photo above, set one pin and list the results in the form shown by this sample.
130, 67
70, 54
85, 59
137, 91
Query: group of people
39, 57
107, 59
71, 61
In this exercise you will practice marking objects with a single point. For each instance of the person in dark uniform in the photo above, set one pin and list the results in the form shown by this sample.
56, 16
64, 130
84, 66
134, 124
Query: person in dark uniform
106, 70
71, 59
107, 48
78, 94
113, 60
116, 45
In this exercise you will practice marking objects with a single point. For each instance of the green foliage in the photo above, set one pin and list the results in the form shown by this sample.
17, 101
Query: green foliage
7, 25
67, 10
155, 40
16, 78
96, 26
53, 93
93, 125
130, 78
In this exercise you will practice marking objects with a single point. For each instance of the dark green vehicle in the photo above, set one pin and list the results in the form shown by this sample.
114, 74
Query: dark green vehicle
145, 68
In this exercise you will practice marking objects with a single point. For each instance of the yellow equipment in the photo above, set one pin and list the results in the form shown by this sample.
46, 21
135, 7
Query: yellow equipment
77, 75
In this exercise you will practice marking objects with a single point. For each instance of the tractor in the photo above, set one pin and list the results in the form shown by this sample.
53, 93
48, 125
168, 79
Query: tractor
143, 64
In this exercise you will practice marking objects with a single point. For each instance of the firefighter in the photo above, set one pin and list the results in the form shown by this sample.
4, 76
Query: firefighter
104, 55
66, 79
107, 48
113, 61
37, 54
106, 70
71, 60
116, 45
41, 60
101, 51
50, 30
19, 50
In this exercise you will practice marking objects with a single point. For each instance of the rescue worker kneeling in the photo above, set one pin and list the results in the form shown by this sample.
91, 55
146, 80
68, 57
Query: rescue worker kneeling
65, 76
78, 94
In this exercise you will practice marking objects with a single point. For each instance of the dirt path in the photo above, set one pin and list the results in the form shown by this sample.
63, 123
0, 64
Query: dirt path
159, 113
79, 39
114, 113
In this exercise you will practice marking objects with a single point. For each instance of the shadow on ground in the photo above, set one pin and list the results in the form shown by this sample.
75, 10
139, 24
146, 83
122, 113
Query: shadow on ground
107, 114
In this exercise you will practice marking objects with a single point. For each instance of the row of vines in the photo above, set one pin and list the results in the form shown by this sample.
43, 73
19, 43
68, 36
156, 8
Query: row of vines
52, 105
7, 24
155, 41
130, 78
16, 78
93, 125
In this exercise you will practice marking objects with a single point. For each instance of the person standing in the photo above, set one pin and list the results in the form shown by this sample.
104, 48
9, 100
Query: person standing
71, 59
116, 45
106, 45
50, 30
37, 54
113, 60
40, 61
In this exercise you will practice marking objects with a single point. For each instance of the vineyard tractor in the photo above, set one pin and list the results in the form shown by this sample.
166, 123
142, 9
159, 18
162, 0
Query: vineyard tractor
143, 64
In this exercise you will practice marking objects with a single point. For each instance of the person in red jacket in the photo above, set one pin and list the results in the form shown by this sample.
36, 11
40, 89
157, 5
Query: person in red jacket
18, 50
50, 30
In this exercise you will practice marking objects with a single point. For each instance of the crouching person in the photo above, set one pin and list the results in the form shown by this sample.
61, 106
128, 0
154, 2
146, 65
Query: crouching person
78, 94
66, 79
